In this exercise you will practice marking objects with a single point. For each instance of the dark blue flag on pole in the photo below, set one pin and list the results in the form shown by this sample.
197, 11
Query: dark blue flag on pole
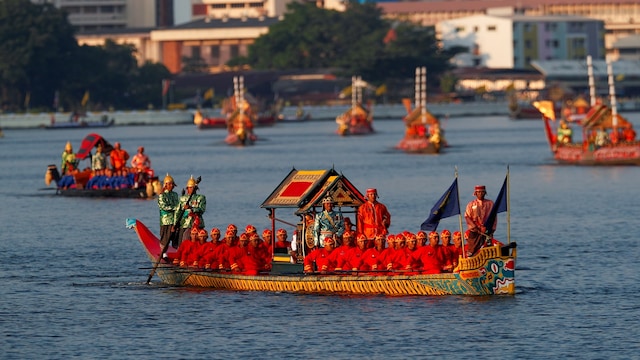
447, 206
500, 205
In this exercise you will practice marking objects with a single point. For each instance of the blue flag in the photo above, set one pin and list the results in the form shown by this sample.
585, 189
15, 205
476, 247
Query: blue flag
447, 206
500, 205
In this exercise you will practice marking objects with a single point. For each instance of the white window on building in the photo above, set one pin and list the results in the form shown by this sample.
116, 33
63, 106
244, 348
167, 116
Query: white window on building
491, 28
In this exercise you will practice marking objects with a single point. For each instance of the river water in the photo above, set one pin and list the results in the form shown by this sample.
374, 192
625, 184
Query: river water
74, 276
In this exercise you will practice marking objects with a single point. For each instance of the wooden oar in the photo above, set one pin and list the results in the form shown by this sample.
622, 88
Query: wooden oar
175, 231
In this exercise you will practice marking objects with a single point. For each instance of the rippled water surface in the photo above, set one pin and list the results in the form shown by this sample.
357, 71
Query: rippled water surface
74, 276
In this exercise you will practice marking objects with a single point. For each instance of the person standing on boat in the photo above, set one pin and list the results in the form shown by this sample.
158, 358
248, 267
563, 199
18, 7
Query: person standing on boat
475, 215
373, 217
69, 161
141, 164
168, 204
140, 161
98, 160
118, 157
328, 223
193, 210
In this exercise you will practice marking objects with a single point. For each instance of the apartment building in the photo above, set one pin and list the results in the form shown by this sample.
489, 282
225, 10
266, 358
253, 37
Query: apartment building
621, 17
98, 15
513, 41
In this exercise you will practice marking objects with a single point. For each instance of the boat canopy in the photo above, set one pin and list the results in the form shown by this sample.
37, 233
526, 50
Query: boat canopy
305, 189
600, 116
89, 142
415, 118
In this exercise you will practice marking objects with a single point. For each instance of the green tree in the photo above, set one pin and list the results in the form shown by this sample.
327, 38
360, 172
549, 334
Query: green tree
36, 44
146, 86
357, 41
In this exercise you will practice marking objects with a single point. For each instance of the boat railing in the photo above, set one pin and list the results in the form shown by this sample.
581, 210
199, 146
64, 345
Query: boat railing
478, 260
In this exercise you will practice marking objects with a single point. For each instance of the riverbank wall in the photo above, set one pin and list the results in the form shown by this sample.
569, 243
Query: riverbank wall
318, 113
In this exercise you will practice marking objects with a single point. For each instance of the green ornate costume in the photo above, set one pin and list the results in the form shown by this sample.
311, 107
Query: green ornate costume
198, 205
168, 204
69, 162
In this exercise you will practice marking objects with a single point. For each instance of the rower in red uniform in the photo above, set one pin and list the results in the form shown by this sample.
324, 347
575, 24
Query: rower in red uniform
373, 256
354, 259
339, 255
320, 257
197, 249
430, 255
184, 249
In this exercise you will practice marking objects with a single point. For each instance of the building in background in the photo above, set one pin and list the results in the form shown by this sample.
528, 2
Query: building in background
98, 15
513, 41
213, 42
620, 17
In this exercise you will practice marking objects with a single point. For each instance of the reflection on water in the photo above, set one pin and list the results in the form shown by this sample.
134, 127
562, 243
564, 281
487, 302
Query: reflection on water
74, 276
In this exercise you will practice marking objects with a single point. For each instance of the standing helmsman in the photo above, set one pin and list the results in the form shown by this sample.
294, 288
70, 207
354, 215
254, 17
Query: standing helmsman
168, 204
191, 207
476, 213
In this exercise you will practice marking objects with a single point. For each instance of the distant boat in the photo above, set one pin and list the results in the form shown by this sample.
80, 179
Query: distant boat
241, 118
607, 137
80, 121
423, 134
357, 120
204, 121
145, 186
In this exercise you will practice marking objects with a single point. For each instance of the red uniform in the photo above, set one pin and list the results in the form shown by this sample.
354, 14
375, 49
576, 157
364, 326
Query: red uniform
393, 259
430, 259
373, 219
233, 257
455, 253
373, 259
118, 158
217, 260
195, 254
250, 262
206, 253
320, 257
354, 260
339, 257
183, 252
282, 246
411, 259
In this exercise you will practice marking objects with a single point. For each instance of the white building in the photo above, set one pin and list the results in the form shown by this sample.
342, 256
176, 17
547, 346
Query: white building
513, 41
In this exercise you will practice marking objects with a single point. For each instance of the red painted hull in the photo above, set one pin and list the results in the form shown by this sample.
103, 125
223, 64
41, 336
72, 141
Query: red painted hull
619, 154
213, 123
418, 145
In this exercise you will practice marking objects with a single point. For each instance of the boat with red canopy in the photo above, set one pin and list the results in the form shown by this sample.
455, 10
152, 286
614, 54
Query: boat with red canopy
491, 271
606, 137
79, 182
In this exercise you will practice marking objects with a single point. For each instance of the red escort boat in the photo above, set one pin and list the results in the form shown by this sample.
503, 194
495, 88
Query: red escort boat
423, 134
607, 137
356, 120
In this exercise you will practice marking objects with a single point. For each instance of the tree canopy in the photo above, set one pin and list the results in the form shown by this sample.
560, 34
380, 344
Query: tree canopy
358, 41
40, 60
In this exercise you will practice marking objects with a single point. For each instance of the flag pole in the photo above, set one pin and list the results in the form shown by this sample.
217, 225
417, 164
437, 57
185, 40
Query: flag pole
508, 208
464, 253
